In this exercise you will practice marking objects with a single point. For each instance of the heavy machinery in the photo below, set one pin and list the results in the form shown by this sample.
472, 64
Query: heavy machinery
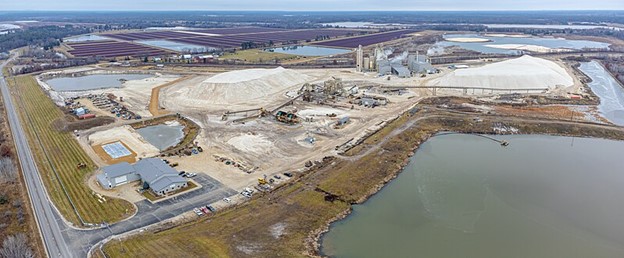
286, 117
333, 87
263, 180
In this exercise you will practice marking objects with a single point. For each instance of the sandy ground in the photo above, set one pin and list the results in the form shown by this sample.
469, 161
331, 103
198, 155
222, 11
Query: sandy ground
97, 111
519, 73
251, 143
136, 93
128, 136
274, 147
467, 40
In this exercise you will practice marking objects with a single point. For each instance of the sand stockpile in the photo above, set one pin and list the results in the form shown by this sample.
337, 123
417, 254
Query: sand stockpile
251, 143
251, 86
525, 72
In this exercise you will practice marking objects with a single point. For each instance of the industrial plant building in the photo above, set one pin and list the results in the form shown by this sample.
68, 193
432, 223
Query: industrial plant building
401, 67
159, 177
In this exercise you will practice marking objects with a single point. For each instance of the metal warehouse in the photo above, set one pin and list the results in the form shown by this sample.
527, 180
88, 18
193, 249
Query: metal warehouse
153, 172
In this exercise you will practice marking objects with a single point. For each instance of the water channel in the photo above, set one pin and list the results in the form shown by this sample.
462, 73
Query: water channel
466, 196
610, 92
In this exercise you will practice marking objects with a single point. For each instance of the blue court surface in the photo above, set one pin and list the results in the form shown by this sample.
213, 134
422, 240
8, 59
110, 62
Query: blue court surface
116, 150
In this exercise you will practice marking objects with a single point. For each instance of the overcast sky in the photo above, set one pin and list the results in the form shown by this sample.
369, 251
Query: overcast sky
311, 5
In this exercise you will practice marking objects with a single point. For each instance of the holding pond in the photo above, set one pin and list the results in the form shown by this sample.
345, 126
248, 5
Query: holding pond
308, 50
93, 82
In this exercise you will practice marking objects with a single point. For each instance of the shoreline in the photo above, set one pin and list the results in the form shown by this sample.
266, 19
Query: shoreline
314, 240
317, 235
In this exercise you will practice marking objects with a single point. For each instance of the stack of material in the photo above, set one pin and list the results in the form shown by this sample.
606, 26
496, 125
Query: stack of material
519, 73
237, 87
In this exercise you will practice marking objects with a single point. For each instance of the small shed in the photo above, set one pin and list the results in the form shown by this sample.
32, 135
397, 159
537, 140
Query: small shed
343, 121
80, 111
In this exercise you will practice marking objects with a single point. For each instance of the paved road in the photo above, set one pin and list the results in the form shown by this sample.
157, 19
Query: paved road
59, 239
45, 215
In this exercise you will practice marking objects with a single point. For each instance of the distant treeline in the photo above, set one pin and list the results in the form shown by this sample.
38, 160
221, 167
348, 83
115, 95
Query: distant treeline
313, 19
45, 36
615, 65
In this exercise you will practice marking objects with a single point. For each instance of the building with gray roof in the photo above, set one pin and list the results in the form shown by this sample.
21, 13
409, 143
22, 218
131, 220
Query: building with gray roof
117, 174
154, 173
383, 67
420, 64
160, 177
401, 71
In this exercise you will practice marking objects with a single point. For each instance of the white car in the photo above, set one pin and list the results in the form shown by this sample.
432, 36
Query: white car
227, 200
198, 212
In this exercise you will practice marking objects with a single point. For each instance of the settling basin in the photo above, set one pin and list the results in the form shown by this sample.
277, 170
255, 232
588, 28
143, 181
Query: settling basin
93, 82
610, 92
466, 196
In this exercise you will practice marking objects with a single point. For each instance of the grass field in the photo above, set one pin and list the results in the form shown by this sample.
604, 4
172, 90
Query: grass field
258, 56
60, 152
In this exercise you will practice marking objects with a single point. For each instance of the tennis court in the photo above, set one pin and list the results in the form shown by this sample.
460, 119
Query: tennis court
116, 150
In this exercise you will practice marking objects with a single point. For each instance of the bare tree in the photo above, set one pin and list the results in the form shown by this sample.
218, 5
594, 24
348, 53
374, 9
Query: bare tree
8, 171
16, 246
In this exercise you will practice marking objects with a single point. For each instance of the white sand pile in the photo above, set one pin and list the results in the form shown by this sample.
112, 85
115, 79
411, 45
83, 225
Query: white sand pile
532, 48
519, 73
251, 143
236, 87
467, 40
